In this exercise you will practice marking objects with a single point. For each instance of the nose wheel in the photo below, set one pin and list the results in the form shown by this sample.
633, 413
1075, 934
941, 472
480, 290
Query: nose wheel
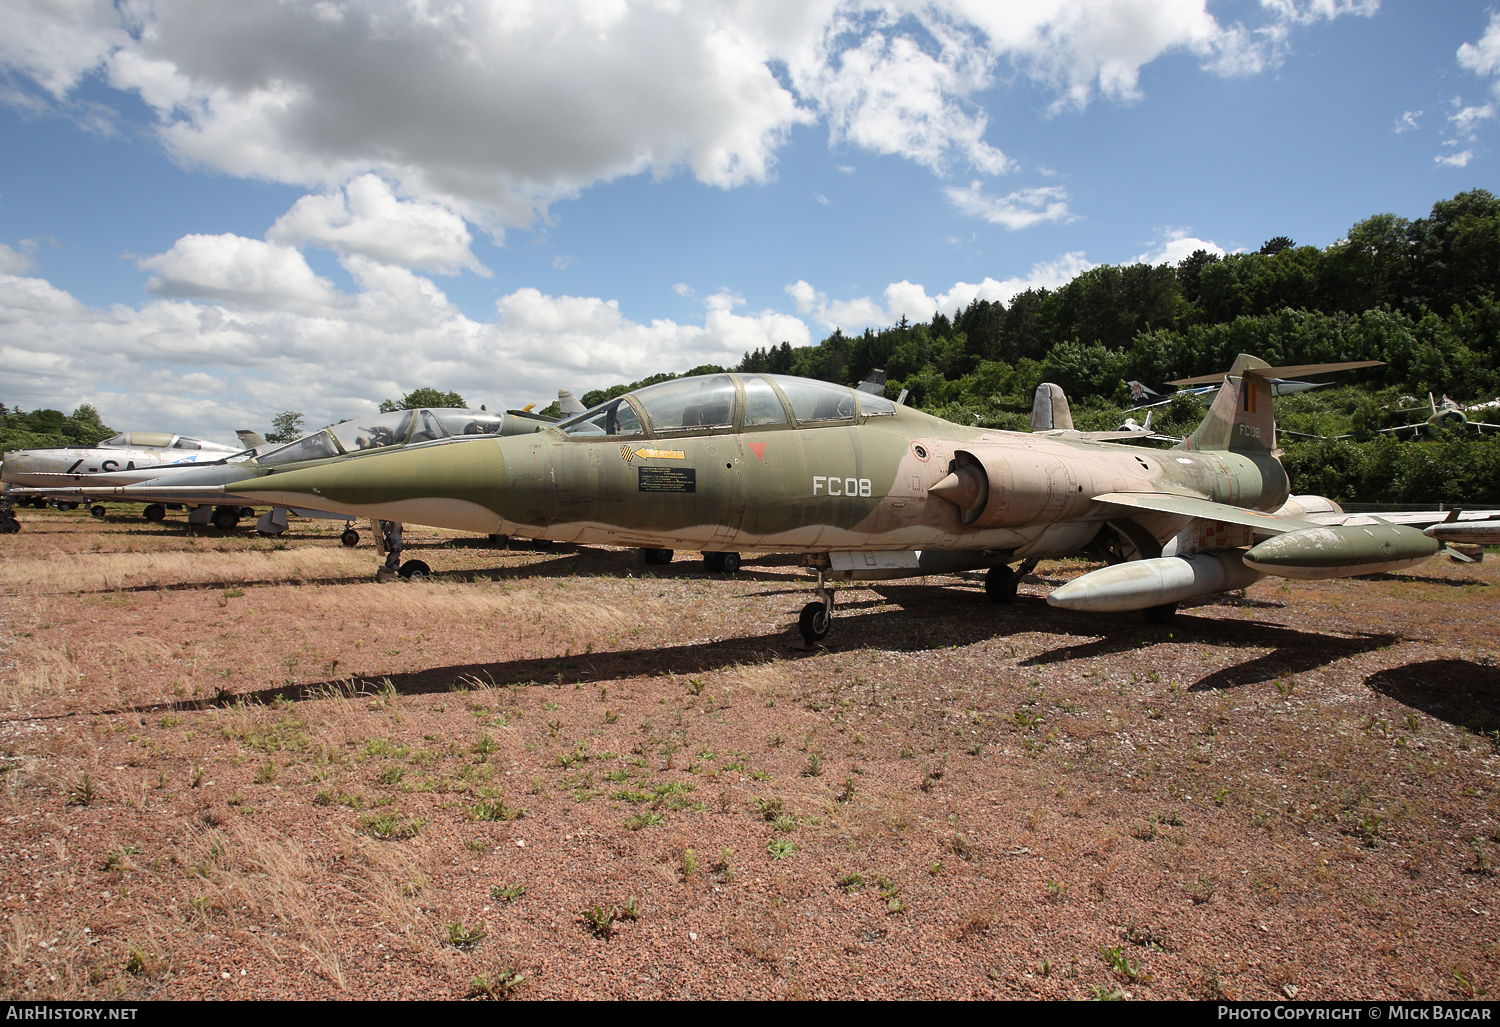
816, 618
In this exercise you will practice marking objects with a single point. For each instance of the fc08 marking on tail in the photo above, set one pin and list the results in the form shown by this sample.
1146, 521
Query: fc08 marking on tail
836, 486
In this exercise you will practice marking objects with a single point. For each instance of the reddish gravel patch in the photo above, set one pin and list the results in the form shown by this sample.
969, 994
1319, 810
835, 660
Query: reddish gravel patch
259, 774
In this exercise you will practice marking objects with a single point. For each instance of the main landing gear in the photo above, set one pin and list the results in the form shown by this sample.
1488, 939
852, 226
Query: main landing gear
817, 617
388, 543
8, 523
1000, 581
723, 563
657, 556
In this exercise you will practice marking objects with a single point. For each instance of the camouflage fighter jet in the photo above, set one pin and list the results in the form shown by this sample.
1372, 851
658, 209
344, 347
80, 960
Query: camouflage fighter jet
212, 489
1446, 414
866, 489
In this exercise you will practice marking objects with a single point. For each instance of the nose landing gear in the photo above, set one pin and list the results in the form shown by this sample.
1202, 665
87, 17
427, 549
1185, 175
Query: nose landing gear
816, 618
388, 543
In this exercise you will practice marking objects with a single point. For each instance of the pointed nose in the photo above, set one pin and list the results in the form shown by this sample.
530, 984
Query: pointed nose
460, 485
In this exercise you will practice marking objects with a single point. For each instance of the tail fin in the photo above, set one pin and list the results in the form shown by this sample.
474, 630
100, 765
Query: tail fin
1240, 417
1049, 409
1141, 394
250, 438
568, 404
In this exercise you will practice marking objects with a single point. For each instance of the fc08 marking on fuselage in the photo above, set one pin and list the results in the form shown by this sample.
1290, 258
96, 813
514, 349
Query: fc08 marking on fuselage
836, 486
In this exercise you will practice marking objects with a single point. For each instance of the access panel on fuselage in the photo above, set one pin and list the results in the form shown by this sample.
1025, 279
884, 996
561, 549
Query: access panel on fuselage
803, 481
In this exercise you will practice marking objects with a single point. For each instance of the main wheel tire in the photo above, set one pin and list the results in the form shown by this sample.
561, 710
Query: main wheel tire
350, 538
499, 541
247, 511
1000, 584
713, 561
155, 512
729, 563
813, 622
9, 526
225, 518
65, 505
659, 556
1162, 614
97, 511
415, 570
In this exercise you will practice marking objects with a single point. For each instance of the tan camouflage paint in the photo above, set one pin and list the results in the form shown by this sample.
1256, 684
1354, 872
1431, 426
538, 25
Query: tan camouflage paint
788, 489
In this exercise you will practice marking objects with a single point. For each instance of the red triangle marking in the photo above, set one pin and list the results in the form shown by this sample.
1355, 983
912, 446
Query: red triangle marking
759, 449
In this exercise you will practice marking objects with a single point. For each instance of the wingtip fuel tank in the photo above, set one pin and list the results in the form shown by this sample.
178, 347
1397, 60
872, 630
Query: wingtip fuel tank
1472, 533
1142, 584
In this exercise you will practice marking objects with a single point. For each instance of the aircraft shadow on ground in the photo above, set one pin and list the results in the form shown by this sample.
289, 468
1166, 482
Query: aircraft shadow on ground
1294, 651
1421, 579
1456, 691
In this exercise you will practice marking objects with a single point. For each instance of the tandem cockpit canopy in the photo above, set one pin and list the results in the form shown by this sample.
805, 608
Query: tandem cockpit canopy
725, 403
156, 440
382, 431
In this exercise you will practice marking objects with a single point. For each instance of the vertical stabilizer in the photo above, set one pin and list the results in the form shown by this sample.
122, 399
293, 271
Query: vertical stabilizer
1049, 409
1240, 417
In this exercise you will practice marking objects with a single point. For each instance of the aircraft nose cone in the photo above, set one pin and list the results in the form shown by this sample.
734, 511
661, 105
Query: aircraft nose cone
961, 488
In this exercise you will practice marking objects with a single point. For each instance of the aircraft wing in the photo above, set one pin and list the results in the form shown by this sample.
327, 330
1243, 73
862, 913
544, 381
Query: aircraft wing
1191, 506
1414, 518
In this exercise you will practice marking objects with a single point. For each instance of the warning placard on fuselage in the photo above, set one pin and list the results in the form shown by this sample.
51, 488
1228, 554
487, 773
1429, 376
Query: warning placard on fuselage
668, 479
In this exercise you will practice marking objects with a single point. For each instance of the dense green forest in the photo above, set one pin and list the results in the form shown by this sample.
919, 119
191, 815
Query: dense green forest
1419, 295
37, 428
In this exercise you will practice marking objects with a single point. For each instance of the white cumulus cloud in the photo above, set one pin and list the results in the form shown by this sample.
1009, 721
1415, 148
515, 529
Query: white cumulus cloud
905, 299
1020, 209
244, 329
1177, 244
492, 109
1483, 58
365, 217
14, 262
239, 272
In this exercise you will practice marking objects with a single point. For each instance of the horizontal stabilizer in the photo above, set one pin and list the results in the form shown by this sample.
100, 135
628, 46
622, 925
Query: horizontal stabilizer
1191, 506
1295, 371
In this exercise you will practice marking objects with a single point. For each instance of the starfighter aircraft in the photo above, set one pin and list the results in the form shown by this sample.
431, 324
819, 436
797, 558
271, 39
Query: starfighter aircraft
867, 489
211, 489
1446, 414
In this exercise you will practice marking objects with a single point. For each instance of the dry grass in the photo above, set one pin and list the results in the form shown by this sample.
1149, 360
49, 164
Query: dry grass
304, 785
103, 572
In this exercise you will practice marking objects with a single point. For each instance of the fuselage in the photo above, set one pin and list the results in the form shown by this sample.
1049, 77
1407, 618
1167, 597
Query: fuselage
43, 468
853, 472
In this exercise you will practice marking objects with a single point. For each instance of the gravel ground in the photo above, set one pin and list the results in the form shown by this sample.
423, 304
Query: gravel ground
236, 767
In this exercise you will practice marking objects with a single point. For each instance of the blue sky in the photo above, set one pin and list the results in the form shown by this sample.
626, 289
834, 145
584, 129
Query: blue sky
210, 219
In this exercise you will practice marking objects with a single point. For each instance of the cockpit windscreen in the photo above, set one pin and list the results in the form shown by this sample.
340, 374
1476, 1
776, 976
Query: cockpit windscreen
375, 432
614, 417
